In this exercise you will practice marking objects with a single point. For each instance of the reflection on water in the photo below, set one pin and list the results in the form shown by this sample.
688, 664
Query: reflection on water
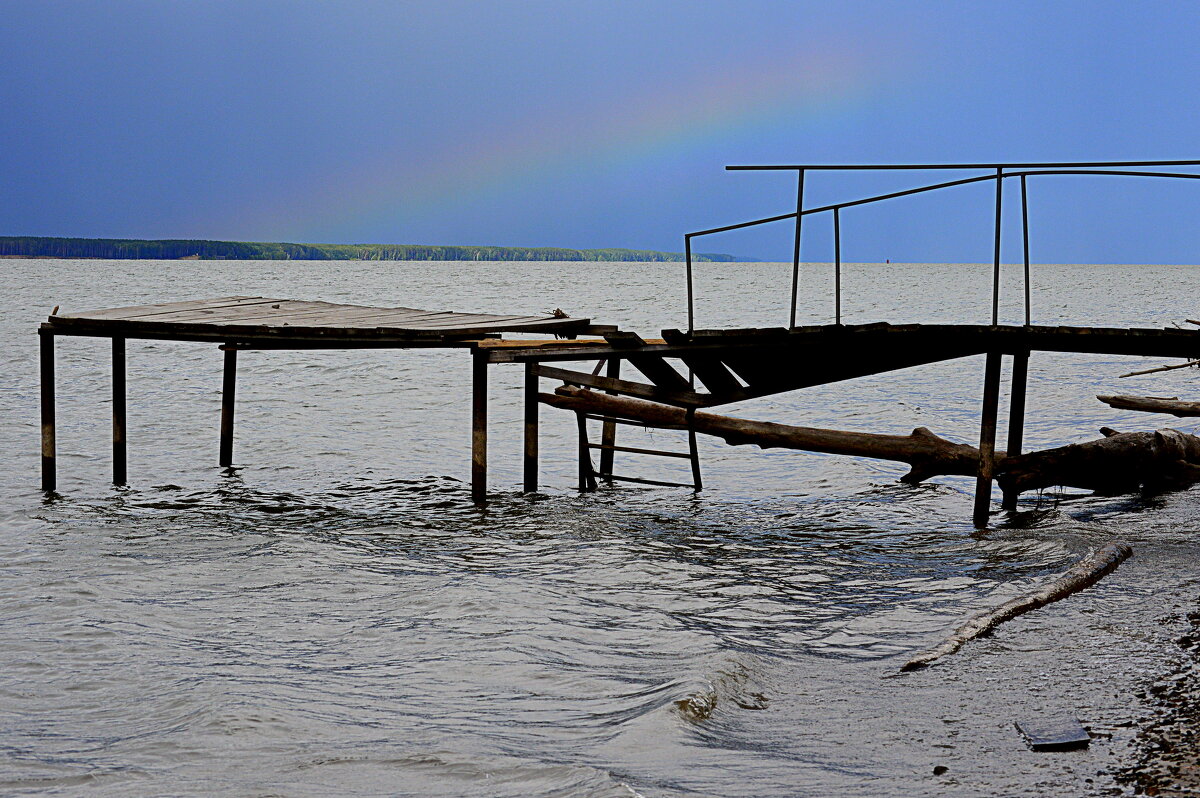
333, 616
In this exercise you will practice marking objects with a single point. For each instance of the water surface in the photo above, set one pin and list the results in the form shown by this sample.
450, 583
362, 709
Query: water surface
333, 616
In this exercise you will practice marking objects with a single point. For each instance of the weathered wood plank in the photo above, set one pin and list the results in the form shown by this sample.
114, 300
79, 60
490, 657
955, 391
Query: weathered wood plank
290, 311
232, 330
259, 314
654, 367
277, 309
137, 311
709, 369
626, 387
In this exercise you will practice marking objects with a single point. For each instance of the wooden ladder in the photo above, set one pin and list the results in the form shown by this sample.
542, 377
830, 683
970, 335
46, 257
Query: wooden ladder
589, 473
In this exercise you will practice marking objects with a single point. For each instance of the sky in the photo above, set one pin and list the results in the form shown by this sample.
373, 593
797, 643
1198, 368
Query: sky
585, 124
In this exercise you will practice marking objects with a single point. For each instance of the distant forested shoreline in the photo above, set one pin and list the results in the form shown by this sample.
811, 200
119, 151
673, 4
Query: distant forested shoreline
134, 249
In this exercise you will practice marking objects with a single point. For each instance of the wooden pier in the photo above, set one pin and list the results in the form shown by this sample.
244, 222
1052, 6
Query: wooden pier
702, 369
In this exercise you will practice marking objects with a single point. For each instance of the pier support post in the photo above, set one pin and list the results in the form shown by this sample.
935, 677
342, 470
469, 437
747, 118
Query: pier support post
118, 411
1016, 416
587, 477
987, 439
531, 430
49, 470
694, 455
479, 426
608, 431
228, 390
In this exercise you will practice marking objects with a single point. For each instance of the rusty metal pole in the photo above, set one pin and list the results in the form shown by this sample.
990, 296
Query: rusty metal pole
796, 247
1016, 416
530, 465
479, 426
837, 267
987, 439
49, 470
228, 389
1025, 249
118, 411
996, 250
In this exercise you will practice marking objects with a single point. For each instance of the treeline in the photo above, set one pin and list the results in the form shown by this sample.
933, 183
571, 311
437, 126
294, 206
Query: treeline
133, 249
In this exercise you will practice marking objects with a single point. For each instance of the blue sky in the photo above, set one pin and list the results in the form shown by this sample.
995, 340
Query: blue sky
589, 124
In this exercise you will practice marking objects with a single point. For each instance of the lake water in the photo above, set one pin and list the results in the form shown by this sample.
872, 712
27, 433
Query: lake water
334, 617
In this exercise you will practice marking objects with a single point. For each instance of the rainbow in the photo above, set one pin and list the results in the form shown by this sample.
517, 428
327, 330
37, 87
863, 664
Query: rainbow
395, 189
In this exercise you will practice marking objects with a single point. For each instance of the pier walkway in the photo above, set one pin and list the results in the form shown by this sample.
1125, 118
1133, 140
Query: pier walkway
705, 368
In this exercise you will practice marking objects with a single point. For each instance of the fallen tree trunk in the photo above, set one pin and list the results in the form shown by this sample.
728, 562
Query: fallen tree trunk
1084, 573
928, 454
1121, 462
1152, 404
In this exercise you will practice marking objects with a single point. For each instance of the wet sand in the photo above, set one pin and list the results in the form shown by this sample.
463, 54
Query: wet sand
1165, 754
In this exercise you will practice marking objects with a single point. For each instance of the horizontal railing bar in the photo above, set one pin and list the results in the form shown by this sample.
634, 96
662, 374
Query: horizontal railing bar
1013, 165
729, 227
637, 450
982, 178
934, 187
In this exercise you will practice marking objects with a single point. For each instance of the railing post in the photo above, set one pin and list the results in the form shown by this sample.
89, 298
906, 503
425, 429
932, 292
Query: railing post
796, 246
837, 267
691, 306
1025, 248
996, 252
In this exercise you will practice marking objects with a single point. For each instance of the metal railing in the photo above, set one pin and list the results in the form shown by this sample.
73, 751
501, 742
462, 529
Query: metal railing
1001, 171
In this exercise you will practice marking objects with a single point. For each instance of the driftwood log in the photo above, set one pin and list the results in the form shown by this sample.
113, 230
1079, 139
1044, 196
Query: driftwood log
1152, 404
1160, 368
1121, 462
1082, 574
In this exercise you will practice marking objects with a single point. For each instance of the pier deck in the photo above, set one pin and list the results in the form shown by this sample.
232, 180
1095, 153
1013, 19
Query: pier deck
297, 323
739, 364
